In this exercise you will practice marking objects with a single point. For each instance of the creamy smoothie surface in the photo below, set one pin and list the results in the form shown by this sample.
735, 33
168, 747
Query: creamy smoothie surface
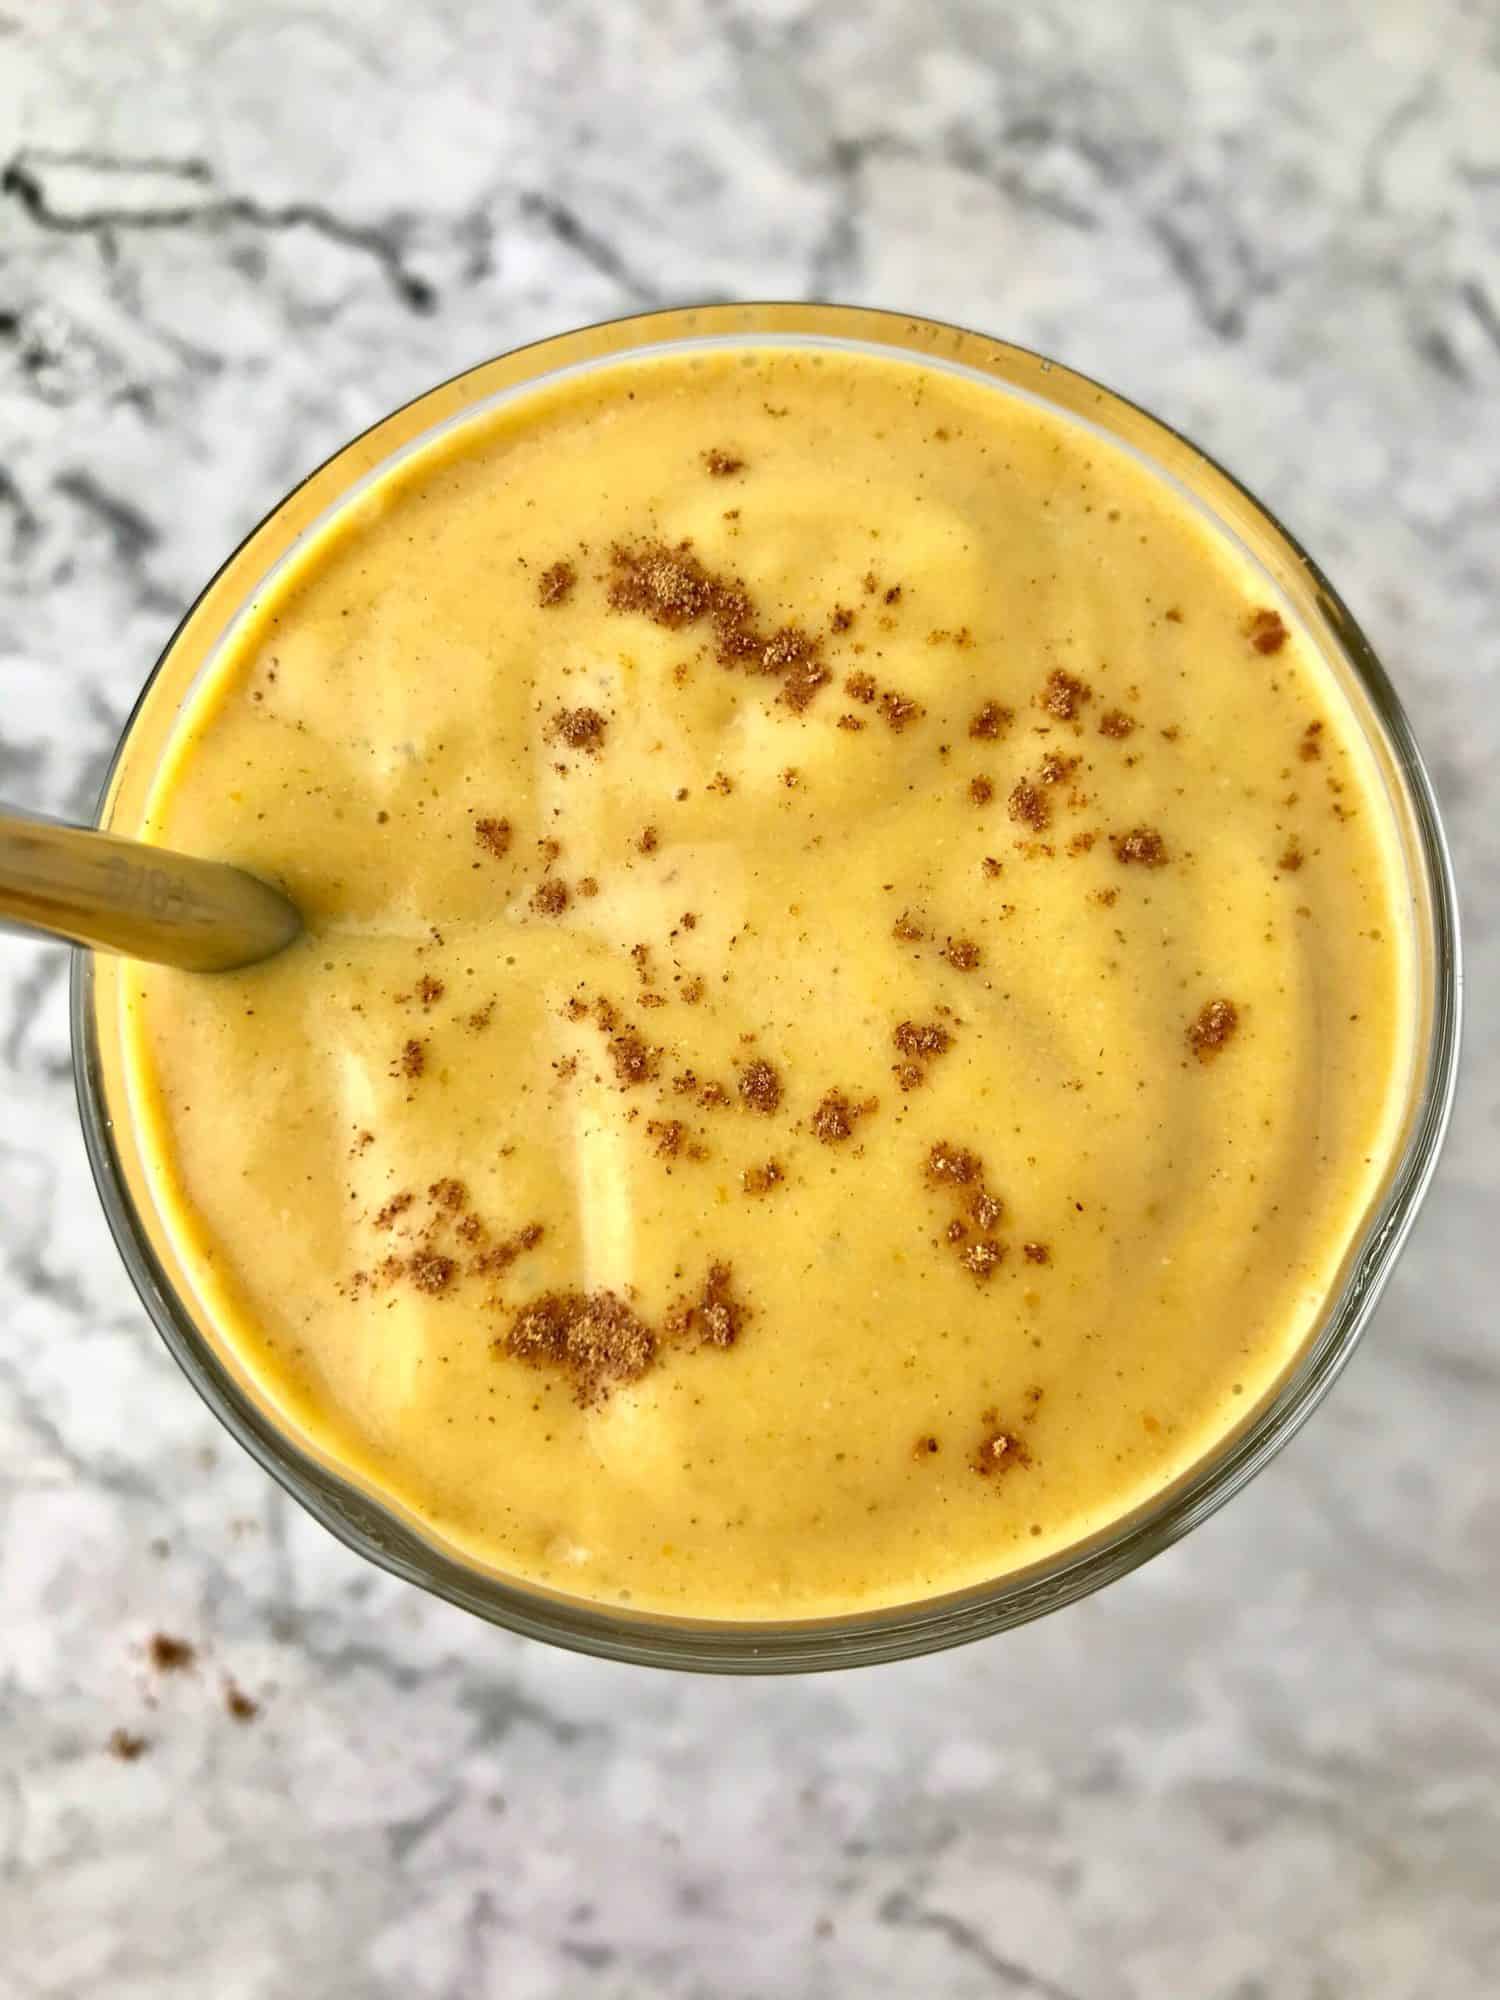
856, 992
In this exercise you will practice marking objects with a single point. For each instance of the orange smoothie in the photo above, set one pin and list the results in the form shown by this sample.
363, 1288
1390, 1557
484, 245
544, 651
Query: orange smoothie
856, 991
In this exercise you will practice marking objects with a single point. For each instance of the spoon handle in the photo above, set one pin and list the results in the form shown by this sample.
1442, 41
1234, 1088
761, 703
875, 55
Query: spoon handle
126, 896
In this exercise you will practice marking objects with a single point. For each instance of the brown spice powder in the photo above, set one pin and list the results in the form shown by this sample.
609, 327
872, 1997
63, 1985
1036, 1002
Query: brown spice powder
900, 710
1266, 632
669, 586
1141, 846
1064, 695
580, 728
760, 1086
983, 1258
593, 1338
987, 1209
429, 1272
634, 1062
990, 721
1216, 1022
915, 1038
952, 1166
494, 836
1028, 806
556, 582
834, 1118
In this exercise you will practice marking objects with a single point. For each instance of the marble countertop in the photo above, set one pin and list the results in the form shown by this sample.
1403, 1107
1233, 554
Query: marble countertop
1267, 1767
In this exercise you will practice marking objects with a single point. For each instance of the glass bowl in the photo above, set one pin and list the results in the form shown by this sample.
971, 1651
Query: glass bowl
376, 1527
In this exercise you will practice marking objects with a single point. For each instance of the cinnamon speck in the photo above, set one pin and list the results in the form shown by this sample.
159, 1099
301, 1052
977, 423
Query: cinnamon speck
1266, 632
833, 1120
991, 720
667, 585
1216, 1022
1064, 695
1028, 805
494, 836
804, 679
760, 1086
667, 1136
580, 728
1142, 846
556, 582
983, 1258
633, 1060
716, 1316
921, 1038
986, 1209
900, 710
952, 1166
592, 1338
998, 1450
430, 1272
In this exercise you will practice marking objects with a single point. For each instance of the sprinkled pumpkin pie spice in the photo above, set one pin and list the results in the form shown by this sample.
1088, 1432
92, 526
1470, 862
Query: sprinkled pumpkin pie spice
644, 853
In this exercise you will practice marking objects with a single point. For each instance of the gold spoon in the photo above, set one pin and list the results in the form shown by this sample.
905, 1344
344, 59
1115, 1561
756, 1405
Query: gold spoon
147, 902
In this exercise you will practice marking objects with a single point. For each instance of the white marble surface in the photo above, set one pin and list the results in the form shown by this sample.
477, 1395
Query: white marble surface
1263, 1769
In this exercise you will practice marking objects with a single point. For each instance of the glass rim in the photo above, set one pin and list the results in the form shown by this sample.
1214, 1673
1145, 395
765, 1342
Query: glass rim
374, 1528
